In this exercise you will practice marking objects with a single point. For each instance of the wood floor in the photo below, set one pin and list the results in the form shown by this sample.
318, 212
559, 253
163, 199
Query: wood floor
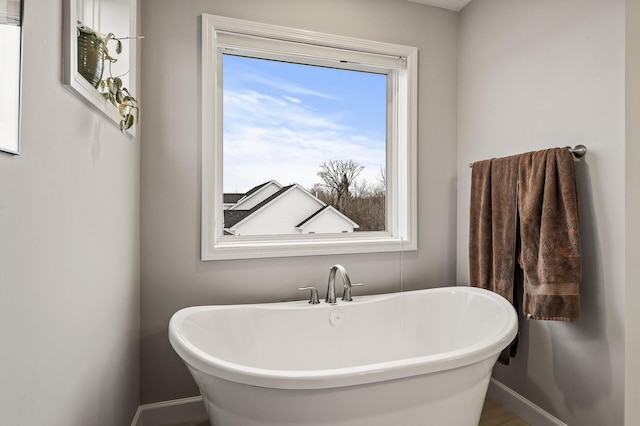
496, 414
493, 414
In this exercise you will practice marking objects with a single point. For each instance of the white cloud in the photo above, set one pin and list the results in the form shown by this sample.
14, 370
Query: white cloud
253, 108
274, 83
270, 138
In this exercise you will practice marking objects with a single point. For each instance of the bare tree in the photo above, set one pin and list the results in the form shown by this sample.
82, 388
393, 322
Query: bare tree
382, 177
320, 192
359, 200
338, 176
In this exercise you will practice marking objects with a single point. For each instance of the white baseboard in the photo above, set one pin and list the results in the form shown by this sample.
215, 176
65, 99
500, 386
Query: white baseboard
527, 410
171, 412
192, 409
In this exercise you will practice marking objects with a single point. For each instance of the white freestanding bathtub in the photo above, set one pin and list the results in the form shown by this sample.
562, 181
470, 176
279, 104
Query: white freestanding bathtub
414, 358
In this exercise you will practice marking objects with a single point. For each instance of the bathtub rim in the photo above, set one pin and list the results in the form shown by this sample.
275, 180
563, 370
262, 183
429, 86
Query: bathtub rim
347, 376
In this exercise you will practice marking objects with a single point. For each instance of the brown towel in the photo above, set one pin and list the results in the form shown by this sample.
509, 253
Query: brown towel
525, 207
550, 235
493, 229
493, 219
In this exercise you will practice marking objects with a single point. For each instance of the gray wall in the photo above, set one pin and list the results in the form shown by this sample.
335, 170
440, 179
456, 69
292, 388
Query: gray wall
172, 274
531, 75
69, 250
537, 74
632, 204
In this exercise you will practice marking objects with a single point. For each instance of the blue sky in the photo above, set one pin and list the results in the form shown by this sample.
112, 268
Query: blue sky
282, 120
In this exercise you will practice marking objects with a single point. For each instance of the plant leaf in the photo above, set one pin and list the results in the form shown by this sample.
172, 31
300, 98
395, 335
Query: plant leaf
127, 122
112, 86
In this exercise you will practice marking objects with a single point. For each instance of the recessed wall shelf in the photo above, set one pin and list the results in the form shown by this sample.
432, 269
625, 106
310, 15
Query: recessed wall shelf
105, 16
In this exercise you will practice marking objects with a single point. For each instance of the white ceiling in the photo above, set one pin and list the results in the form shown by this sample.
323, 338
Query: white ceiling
454, 5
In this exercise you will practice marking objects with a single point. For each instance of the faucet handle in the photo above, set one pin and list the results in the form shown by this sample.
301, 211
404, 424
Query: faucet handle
346, 294
313, 297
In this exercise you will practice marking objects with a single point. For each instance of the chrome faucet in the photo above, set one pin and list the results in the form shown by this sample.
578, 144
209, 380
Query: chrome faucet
331, 284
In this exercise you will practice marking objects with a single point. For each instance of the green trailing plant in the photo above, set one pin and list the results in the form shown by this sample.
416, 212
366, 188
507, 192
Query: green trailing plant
111, 88
128, 106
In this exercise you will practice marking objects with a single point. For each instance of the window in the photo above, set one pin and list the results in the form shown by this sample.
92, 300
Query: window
300, 131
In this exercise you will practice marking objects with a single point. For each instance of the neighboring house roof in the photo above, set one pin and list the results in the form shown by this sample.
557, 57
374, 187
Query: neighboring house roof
312, 216
231, 198
256, 188
233, 217
273, 212
256, 195
325, 209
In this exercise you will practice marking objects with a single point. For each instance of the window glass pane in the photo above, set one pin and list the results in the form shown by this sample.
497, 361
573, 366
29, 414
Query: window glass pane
304, 148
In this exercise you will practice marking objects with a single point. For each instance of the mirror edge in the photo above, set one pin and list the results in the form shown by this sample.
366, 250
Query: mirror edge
18, 143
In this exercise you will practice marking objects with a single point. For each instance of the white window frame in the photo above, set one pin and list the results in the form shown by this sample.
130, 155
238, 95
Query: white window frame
223, 34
